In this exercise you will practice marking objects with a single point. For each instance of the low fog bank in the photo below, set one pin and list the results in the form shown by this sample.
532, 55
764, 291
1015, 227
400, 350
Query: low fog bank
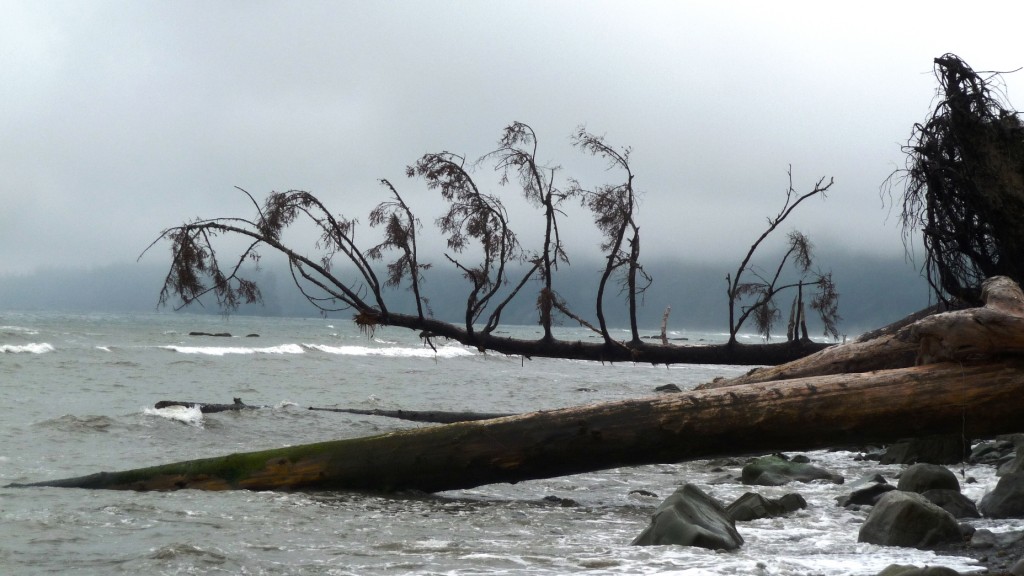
874, 291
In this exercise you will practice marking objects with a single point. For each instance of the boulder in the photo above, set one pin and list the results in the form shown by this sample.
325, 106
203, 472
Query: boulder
1011, 463
776, 470
753, 506
689, 517
945, 449
922, 477
1006, 500
908, 519
952, 501
991, 451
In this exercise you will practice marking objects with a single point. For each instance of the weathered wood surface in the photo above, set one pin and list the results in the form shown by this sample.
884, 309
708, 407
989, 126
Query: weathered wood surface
975, 334
969, 380
433, 416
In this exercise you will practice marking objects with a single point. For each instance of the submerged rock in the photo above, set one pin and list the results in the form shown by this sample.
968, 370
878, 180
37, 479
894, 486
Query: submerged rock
775, 471
908, 519
689, 517
867, 496
903, 570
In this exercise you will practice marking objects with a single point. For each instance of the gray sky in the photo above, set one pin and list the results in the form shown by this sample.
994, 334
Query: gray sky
119, 119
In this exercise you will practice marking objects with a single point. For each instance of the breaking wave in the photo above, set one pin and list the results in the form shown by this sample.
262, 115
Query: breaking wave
34, 348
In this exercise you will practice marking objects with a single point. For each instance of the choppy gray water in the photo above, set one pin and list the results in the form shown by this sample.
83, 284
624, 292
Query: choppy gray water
77, 392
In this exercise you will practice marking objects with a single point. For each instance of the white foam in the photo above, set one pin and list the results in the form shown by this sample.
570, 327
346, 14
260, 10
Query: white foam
19, 330
190, 415
34, 348
393, 351
223, 350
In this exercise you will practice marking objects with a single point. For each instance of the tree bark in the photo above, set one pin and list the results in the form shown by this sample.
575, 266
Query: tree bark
969, 380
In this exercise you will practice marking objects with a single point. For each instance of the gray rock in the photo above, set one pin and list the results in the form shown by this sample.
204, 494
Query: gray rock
922, 477
1006, 500
689, 517
902, 570
1012, 464
985, 538
954, 502
908, 519
751, 506
775, 471
1018, 568
946, 449
867, 496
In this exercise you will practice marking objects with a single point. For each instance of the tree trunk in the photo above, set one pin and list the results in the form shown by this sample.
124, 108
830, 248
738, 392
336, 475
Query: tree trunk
969, 381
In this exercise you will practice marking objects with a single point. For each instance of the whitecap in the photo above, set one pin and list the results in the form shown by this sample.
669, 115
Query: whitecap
190, 415
34, 348
223, 350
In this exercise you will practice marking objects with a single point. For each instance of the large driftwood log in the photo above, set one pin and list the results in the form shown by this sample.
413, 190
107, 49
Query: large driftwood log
979, 392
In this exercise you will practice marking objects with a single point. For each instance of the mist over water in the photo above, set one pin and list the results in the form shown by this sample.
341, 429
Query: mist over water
78, 394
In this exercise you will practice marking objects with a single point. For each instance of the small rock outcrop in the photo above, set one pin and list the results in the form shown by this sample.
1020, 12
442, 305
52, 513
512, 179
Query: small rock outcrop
908, 519
752, 506
689, 517
776, 470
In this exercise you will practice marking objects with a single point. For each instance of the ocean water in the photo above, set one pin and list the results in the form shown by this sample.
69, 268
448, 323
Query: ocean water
77, 395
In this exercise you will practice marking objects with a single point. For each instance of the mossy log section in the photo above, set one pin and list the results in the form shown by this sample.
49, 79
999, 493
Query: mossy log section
980, 394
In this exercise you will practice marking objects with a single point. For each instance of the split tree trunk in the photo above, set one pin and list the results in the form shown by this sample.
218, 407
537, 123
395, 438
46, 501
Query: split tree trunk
970, 380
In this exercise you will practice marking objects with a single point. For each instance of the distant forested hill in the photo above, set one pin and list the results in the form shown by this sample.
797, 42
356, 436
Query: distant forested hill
874, 291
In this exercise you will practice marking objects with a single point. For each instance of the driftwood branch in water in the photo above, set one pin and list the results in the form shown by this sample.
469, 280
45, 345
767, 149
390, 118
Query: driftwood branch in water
208, 408
969, 380
435, 416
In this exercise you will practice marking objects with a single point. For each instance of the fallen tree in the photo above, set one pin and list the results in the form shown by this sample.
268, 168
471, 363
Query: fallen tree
968, 379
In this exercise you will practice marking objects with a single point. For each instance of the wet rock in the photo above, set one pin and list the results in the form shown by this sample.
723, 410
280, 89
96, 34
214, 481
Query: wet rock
991, 451
1018, 568
775, 470
751, 506
908, 519
985, 538
922, 477
689, 517
1011, 463
1006, 500
867, 496
904, 570
945, 449
668, 388
952, 501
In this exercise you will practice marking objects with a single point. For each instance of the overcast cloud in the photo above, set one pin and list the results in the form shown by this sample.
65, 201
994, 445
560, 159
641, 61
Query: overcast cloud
120, 119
